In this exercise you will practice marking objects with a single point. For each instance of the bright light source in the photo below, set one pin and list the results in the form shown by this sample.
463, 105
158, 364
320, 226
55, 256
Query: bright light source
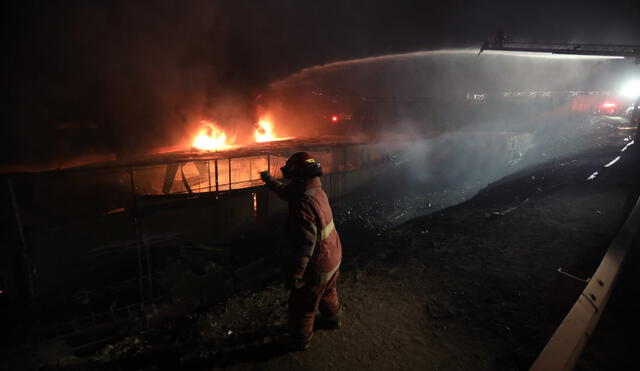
334, 118
631, 89
549, 55
608, 105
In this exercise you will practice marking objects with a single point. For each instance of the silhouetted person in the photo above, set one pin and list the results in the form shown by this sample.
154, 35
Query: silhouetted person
313, 261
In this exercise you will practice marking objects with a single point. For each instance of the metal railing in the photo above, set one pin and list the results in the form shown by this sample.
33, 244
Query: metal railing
565, 346
233, 173
203, 176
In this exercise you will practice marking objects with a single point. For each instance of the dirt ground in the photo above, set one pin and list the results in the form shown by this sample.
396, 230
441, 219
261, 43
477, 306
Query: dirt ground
470, 287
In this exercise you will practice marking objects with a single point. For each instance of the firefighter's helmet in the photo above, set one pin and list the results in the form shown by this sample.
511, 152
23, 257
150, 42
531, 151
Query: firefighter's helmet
301, 166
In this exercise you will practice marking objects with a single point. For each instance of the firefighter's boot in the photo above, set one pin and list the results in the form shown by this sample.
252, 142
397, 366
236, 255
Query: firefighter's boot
293, 344
333, 322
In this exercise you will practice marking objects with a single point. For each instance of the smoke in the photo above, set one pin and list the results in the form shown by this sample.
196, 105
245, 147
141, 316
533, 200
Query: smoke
470, 119
442, 90
125, 77
449, 72
132, 75
128, 76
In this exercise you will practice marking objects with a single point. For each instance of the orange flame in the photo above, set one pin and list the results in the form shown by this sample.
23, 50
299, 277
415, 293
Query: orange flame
265, 132
211, 138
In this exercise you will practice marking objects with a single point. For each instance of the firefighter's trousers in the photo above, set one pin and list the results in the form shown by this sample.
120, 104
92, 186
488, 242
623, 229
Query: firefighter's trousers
305, 301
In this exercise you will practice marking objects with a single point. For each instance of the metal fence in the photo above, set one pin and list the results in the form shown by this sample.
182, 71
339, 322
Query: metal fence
233, 173
204, 176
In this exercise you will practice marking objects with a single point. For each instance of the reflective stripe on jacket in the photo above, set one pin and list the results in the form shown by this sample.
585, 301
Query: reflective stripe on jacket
316, 248
327, 255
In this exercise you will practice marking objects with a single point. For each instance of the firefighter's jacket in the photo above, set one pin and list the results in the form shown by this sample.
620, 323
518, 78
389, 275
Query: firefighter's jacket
315, 248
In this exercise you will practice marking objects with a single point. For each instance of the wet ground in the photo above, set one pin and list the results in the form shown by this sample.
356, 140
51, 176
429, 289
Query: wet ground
468, 287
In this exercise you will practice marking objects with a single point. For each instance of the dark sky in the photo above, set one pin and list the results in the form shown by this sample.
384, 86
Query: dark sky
135, 66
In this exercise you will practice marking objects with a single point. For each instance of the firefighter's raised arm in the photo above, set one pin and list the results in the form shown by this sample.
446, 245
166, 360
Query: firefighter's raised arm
275, 185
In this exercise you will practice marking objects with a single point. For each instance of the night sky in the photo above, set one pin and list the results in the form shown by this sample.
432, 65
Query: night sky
135, 65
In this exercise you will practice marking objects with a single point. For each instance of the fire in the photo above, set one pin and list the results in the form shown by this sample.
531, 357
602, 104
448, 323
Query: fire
265, 132
211, 138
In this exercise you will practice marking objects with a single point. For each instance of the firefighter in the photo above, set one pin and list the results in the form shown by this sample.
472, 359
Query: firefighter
314, 256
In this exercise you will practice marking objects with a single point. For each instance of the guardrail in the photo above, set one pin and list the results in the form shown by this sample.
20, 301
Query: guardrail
565, 346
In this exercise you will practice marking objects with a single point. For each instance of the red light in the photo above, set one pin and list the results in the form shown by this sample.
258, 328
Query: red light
608, 105
334, 118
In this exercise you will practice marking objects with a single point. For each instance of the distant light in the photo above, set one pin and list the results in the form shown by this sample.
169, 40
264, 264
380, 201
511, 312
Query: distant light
631, 89
608, 105
334, 118
255, 203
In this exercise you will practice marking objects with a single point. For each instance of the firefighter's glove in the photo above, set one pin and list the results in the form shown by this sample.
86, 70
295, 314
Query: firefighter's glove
293, 283
264, 175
